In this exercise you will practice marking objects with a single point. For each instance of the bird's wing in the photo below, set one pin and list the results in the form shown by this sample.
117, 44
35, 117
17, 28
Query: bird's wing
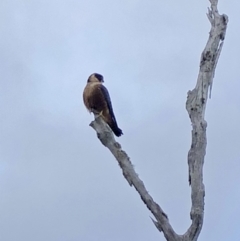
108, 101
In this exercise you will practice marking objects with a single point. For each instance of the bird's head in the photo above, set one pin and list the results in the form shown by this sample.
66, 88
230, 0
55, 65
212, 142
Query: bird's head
95, 78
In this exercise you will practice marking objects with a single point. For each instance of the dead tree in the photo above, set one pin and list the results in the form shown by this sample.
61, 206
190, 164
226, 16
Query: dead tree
195, 105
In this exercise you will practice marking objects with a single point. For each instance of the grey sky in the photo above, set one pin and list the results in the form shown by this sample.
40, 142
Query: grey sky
57, 182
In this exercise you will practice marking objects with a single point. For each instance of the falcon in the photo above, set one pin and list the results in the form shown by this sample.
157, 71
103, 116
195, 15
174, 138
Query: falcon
97, 100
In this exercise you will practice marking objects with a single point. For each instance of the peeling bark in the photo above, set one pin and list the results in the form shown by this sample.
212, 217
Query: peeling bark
195, 105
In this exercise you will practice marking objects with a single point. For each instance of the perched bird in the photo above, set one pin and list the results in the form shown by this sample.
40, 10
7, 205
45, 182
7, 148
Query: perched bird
97, 100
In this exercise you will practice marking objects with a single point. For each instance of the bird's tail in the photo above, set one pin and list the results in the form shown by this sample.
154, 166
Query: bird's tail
116, 130
109, 118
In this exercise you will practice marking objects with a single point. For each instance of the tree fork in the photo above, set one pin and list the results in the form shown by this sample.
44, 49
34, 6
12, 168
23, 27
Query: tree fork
195, 105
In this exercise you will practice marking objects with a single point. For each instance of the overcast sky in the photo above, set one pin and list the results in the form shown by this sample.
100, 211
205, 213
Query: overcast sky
57, 182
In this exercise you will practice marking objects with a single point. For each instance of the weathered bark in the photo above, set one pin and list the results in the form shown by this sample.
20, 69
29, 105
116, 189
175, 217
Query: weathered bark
196, 105
106, 137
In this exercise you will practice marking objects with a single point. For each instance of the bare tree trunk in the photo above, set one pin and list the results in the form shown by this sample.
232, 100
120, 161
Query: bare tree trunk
196, 105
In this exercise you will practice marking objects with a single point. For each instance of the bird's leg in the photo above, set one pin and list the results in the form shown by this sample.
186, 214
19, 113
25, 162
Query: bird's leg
97, 113
101, 113
94, 111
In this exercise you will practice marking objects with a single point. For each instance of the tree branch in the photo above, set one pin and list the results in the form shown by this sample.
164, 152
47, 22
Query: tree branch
105, 135
195, 105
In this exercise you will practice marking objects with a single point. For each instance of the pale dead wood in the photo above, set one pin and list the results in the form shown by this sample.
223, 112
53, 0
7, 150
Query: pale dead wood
105, 135
196, 105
